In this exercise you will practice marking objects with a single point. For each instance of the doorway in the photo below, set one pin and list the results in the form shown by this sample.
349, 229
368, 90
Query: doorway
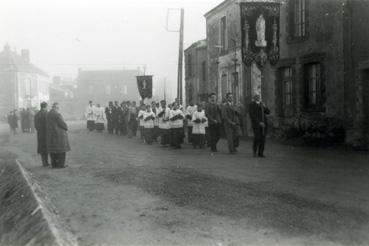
365, 81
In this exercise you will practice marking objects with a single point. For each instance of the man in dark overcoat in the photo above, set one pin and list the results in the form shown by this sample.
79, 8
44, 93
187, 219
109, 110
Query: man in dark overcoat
57, 137
259, 122
13, 121
41, 128
231, 123
109, 117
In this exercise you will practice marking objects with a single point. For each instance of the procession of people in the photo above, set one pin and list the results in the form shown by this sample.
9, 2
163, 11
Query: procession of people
169, 124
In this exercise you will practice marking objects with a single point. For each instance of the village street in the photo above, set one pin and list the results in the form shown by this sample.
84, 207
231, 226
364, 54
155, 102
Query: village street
118, 191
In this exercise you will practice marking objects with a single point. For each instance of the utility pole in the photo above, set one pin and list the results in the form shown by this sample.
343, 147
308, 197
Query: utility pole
180, 59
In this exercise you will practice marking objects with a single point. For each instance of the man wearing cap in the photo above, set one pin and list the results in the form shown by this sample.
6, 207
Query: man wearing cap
57, 137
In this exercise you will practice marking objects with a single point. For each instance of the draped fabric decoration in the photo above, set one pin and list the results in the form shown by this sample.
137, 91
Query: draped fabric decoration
144, 84
260, 32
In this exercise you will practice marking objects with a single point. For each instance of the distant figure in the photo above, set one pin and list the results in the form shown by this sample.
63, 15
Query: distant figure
100, 118
57, 137
198, 129
231, 123
189, 112
23, 116
31, 119
109, 111
132, 120
13, 121
116, 119
258, 112
41, 128
90, 117
176, 121
123, 125
164, 125
212, 112
148, 119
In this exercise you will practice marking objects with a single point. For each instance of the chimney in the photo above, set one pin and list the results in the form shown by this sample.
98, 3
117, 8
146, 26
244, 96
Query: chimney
25, 55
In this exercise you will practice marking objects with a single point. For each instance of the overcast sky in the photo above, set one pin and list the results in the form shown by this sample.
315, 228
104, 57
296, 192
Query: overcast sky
63, 35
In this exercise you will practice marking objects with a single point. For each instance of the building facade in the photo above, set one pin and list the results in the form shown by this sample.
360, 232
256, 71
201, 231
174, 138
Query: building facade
196, 76
225, 70
321, 73
313, 68
102, 86
22, 85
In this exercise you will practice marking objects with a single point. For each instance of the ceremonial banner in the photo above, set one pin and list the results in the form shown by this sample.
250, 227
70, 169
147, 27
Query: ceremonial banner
260, 32
144, 84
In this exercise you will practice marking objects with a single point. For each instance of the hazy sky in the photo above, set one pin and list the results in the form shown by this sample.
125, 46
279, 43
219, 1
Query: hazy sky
63, 35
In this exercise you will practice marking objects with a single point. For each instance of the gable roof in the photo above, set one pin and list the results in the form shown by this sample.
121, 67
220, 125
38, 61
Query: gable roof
10, 60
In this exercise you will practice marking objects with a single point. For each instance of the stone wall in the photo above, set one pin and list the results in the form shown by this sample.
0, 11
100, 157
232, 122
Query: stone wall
26, 215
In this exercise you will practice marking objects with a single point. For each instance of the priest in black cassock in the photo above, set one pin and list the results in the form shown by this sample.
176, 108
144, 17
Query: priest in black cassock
258, 112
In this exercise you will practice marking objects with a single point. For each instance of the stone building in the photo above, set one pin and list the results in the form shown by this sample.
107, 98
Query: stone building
196, 72
321, 72
102, 86
312, 67
22, 84
223, 36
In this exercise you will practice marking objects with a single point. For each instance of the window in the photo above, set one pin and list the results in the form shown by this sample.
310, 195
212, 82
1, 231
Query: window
203, 71
125, 90
313, 85
189, 65
223, 32
299, 18
224, 84
235, 86
287, 85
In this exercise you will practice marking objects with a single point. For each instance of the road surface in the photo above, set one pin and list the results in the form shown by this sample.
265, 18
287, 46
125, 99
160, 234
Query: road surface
118, 191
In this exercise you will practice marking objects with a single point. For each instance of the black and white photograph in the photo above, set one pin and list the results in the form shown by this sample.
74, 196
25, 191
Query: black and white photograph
184, 122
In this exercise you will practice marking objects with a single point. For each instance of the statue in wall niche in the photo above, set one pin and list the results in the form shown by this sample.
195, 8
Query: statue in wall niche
260, 32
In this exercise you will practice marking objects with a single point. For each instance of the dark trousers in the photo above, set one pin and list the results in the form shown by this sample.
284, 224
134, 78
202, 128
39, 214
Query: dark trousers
141, 132
165, 137
148, 135
156, 133
177, 136
110, 127
116, 126
123, 128
189, 134
232, 137
198, 140
45, 159
58, 160
214, 136
259, 141
132, 128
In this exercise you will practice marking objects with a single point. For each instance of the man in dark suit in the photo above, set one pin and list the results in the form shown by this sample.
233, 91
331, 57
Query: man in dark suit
231, 123
41, 128
212, 112
57, 137
259, 122
116, 117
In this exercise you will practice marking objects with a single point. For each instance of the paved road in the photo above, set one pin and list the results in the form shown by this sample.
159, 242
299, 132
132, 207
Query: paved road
117, 191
